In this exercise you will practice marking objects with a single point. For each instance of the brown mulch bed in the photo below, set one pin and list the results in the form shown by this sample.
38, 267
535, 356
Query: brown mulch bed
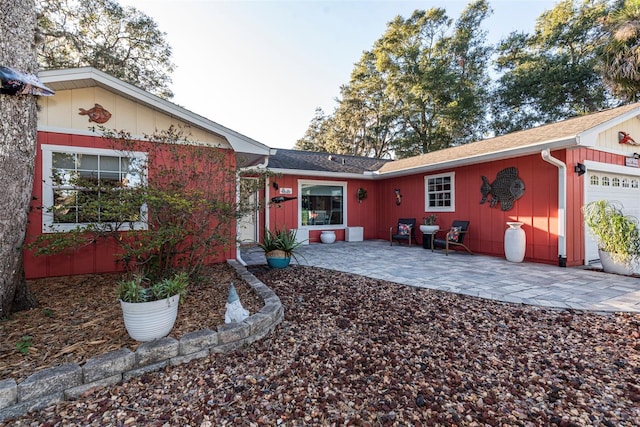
358, 351
79, 317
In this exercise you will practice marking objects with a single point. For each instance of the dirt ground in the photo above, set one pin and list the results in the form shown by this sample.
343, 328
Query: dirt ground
79, 317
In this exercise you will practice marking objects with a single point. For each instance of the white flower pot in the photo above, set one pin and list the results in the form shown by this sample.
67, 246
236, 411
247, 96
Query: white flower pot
429, 229
609, 265
515, 242
147, 321
328, 236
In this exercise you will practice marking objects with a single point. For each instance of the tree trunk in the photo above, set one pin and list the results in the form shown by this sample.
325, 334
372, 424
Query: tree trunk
18, 123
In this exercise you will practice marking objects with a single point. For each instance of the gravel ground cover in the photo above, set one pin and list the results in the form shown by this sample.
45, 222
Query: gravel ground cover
358, 351
79, 317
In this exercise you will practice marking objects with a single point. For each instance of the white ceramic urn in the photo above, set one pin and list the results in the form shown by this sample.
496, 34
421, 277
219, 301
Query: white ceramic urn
515, 242
328, 236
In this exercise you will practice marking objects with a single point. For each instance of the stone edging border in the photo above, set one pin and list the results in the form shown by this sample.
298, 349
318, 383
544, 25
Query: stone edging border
53, 385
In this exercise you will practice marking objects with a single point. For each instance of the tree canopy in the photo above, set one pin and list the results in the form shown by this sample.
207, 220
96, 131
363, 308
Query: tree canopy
620, 56
551, 74
121, 41
430, 82
420, 88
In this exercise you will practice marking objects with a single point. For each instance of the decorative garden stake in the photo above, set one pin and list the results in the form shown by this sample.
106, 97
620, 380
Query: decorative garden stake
506, 189
235, 312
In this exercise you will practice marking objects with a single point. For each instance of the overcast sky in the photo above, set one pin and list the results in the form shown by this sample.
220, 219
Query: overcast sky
262, 67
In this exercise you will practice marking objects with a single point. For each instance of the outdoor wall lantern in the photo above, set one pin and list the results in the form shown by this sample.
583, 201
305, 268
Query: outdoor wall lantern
398, 196
14, 82
580, 169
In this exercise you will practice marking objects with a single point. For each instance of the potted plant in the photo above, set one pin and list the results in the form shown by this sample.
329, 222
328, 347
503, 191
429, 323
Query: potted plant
361, 194
618, 236
429, 224
279, 246
150, 309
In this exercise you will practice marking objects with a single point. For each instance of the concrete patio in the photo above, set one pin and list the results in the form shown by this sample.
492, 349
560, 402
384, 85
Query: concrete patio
476, 275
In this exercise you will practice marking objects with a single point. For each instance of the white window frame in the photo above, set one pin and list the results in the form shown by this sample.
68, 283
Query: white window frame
48, 226
342, 184
452, 208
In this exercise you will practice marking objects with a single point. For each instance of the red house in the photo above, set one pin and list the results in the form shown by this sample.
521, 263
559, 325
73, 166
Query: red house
68, 144
561, 167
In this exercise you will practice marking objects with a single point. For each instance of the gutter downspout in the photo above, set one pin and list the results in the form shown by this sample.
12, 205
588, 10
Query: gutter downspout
260, 166
562, 205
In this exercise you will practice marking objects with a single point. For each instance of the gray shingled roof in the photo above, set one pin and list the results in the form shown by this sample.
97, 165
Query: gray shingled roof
323, 162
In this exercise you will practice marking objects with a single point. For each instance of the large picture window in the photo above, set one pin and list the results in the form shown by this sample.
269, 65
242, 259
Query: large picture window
78, 181
439, 193
322, 203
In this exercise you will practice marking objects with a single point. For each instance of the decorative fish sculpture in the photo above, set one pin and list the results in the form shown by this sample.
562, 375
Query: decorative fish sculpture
506, 189
96, 114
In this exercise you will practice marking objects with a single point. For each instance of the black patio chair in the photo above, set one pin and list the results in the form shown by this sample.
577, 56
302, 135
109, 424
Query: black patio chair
404, 231
454, 237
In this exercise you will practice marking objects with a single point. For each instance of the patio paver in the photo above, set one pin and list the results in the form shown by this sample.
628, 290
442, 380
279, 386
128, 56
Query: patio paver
483, 276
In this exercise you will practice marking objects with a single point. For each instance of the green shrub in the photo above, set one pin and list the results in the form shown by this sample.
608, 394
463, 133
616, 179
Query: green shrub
140, 289
617, 234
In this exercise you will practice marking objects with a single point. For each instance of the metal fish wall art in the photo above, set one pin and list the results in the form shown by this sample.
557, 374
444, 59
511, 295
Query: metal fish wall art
506, 189
96, 114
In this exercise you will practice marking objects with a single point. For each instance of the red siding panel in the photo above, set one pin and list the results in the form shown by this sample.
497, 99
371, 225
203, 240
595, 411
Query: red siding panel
95, 258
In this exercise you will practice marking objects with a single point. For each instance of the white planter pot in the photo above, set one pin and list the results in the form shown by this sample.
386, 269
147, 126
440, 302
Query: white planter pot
328, 236
515, 242
147, 321
429, 229
609, 265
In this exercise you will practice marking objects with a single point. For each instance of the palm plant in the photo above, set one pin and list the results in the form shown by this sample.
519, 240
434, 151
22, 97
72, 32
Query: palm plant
280, 240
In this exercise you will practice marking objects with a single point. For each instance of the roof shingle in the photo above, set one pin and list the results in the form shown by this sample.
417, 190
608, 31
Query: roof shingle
324, 162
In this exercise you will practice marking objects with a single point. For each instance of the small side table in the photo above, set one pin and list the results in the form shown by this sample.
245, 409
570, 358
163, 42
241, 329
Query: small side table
427, 232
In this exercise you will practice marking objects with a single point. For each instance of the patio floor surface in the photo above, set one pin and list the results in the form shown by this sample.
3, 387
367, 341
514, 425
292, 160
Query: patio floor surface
476, 275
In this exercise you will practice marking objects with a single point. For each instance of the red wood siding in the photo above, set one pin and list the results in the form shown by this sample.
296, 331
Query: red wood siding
96, 258
378, 212
537, 208
358, 214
